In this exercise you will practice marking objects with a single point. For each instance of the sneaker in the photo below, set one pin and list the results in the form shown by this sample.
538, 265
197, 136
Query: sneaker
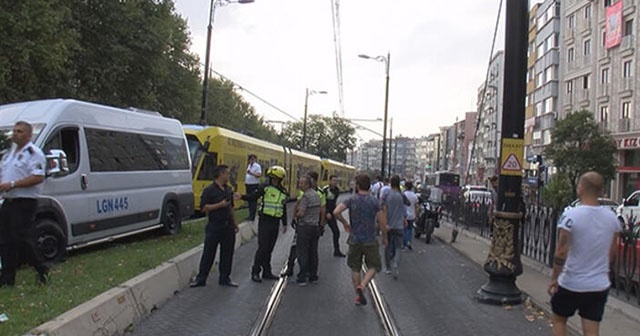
387, 271
360, 299
409, 247
302, 282
313, 279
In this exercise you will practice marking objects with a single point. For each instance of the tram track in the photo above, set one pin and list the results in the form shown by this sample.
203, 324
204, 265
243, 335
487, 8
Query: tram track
268, 312
386, 320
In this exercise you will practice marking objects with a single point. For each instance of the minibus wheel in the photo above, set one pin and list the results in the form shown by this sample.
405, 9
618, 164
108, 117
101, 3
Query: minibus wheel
171, 219
50, 240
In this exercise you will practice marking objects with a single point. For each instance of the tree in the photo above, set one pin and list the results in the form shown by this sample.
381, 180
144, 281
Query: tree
579, 145
557, 193
327, 137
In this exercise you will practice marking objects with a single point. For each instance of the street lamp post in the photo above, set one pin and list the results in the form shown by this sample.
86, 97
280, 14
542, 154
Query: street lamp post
214, 4
391, 149
503, 261
387, 61
304, 121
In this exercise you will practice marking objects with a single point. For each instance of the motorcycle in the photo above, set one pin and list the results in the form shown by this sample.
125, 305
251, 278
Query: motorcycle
427, 220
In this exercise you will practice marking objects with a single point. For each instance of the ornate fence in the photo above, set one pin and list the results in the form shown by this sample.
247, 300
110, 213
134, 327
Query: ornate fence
538, 241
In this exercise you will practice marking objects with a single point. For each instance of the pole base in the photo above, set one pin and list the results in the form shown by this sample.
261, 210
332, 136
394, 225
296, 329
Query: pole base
500, 291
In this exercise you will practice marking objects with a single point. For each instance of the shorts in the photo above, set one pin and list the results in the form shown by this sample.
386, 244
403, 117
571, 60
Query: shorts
370, 252
590, 305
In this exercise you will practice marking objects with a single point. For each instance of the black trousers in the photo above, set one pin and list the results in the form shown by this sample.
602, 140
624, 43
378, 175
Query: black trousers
307, 250
253, 205
268, 228
333, 225
214, 236
17, 234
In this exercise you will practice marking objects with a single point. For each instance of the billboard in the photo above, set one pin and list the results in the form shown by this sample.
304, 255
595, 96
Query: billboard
613, 35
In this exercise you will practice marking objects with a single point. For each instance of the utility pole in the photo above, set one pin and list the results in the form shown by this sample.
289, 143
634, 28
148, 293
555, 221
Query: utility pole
390, 143
503, 262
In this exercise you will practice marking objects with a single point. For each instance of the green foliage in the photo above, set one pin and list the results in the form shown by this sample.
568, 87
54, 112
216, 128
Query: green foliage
327, 137
579, 145
118, 53
557, 193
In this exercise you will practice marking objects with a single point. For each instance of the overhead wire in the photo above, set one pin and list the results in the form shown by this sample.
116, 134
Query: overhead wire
335, 16
484, 90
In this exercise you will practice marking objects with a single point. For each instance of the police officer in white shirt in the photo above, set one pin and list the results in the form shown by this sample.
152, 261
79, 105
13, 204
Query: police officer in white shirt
251, 182
23, 171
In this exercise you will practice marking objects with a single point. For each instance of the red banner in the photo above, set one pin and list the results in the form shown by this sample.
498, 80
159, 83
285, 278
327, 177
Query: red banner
613, 33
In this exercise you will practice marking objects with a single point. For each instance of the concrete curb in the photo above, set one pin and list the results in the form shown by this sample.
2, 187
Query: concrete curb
114, 311
614, 305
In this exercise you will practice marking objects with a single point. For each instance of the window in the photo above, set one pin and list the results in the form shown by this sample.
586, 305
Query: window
627, 70
540, 50
604, 37
550, 74
572, 21
626, 110
607, 3
539, 79
121, 151
569, 86
66, 140
549, 104
546, 137
539, 109
604, 76
206, 171
604, 114
570, 55
628, 27
587, 11
585, 82
587, 47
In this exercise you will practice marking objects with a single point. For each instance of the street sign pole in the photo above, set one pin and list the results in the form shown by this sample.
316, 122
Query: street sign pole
503, 262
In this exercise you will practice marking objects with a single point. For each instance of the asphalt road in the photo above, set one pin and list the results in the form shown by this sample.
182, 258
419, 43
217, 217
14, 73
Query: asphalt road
434, 295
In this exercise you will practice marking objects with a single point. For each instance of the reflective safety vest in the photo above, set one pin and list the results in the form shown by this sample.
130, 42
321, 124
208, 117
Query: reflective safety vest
273, 201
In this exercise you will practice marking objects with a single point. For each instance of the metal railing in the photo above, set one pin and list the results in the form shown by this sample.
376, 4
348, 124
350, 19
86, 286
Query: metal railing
538, 240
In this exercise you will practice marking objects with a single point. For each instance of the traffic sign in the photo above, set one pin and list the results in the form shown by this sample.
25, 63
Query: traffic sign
511, 157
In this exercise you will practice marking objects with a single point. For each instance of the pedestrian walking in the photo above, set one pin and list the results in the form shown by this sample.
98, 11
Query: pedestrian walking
393, 207
331, 193
251, 183
217, 202
411, 211
364, 214
308, 232
587, 236
273, 210
23, 171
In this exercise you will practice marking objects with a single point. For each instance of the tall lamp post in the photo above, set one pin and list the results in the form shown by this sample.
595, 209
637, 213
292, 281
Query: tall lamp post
214, 4
503, 262
386, 61
304, 121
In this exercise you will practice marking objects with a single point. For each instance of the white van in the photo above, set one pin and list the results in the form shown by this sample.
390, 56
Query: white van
128, 172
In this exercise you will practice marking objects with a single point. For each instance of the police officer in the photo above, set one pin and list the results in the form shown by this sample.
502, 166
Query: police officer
23, 171
331, 193
272, 210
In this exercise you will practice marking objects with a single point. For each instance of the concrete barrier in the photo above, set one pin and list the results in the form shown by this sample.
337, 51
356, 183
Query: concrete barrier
110, 313
115, 310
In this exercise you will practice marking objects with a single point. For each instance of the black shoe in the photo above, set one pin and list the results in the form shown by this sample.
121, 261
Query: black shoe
362, 300
228, 283
339, 254
197, 283
43, 278
313, 279
256, 277
269, 276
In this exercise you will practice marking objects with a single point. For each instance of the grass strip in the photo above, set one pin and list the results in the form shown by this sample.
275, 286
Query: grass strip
90, 271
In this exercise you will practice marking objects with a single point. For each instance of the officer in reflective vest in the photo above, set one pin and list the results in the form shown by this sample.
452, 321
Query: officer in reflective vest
272, 210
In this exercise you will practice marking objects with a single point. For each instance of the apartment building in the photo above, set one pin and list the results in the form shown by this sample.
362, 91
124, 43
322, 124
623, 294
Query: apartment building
598, 61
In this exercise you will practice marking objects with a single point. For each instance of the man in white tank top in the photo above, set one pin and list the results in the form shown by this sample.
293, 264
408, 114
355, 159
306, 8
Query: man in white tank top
587, 235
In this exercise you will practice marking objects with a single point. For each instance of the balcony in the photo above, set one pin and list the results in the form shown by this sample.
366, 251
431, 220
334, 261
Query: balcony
628, 42
603, 90
624, 125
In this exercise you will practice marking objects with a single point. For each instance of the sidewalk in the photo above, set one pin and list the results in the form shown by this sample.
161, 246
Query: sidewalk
620, 318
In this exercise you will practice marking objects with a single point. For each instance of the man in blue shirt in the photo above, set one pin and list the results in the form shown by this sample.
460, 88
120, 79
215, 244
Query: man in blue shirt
364, 212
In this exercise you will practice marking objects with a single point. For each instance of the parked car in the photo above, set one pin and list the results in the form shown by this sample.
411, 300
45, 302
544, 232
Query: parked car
628, 212
476, 194
605, 202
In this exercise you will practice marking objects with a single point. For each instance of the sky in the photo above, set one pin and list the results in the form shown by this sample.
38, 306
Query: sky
278, 48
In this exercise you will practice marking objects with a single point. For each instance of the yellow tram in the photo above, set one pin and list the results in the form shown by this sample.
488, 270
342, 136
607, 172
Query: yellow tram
210, 146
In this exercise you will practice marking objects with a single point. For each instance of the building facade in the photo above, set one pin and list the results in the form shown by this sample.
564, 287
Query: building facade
599, 74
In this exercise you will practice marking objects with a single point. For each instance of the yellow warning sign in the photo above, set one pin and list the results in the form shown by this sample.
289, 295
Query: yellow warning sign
511, 157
